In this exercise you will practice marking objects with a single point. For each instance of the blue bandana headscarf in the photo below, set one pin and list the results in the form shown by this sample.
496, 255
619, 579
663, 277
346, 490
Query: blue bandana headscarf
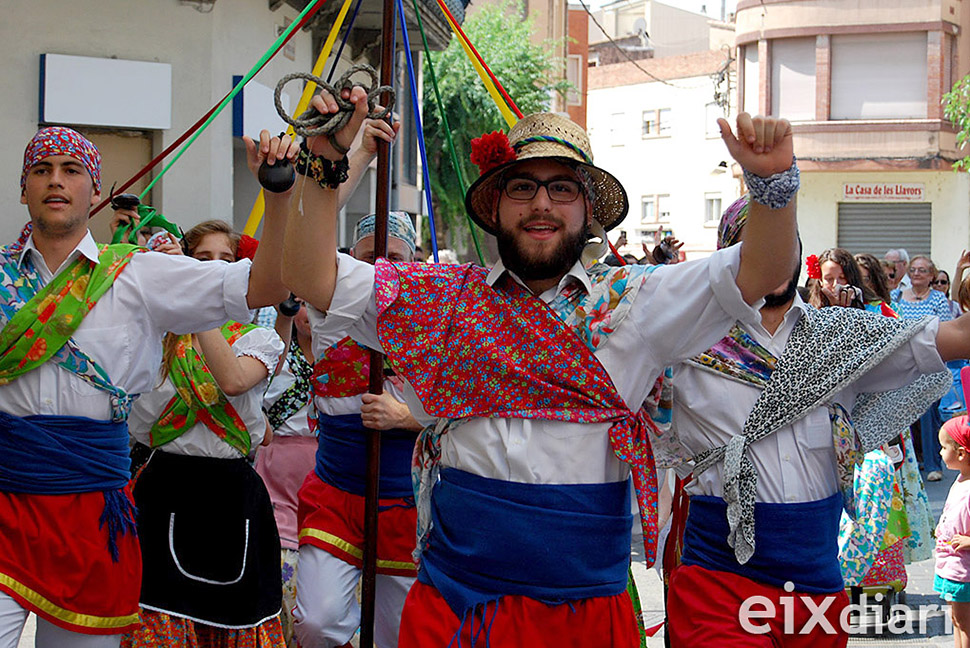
399, 226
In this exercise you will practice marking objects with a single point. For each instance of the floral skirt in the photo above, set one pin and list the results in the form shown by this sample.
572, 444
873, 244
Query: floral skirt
160, 629
288, 564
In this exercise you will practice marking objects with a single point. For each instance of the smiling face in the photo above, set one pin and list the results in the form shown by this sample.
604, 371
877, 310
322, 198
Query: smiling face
540, 238
59, 194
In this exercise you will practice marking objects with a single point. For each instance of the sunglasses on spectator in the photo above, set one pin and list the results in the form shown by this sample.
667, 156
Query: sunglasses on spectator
940, 282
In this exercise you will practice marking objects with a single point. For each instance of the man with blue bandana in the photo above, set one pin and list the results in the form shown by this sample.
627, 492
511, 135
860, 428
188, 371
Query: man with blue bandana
331, 500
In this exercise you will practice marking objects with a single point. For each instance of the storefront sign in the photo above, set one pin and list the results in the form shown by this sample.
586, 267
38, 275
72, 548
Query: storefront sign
884, 191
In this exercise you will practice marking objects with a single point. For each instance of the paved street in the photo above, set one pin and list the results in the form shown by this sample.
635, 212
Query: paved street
919, 593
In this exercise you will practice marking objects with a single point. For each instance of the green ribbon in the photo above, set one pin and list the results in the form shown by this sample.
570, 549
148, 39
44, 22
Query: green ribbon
147, 217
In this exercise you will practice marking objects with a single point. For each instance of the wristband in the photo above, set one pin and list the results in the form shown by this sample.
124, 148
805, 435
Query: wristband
775, 191
329, 175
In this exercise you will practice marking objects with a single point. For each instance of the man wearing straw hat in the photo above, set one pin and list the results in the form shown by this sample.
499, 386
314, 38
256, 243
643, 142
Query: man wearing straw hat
529, 374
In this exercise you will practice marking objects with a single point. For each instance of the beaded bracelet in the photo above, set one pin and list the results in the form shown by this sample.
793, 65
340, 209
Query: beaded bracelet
329, 175
775, 191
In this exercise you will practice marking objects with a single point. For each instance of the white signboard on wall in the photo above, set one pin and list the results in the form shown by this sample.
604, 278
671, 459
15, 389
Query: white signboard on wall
88, 91
884, 191
254, 109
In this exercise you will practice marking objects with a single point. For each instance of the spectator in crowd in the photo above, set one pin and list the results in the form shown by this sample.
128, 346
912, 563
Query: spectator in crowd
874, 279
942, 284
916, 302
958, 279
839, 275
900, 260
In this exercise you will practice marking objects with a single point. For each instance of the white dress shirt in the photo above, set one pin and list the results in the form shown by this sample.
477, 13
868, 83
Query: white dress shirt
679, 311
796, 463
264, 345
123, 333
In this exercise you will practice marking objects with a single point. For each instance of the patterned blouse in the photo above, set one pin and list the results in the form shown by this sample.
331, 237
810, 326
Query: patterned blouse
935, 304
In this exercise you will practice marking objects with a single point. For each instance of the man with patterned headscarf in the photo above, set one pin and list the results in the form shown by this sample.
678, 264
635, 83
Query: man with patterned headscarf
81, 337
775, 417
523, 491
331, 500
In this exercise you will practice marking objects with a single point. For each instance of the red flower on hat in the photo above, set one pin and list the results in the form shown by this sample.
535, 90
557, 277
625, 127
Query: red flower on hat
814, 267
491, 150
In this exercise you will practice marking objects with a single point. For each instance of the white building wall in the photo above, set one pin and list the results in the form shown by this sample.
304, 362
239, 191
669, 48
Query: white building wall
204, 49
686, 165
947, 191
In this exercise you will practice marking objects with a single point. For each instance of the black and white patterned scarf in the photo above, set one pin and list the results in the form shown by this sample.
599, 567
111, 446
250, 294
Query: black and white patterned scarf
297, 395
828, 350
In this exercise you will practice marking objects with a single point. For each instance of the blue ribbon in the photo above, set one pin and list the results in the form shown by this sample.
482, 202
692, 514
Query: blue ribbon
420, 129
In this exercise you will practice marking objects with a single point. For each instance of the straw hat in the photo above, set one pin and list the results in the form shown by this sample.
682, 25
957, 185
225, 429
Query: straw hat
541, 135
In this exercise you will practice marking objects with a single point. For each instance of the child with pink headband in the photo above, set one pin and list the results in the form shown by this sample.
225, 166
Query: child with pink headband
952, 580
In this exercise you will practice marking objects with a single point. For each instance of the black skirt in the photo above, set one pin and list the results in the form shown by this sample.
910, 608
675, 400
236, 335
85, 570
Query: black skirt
209, 545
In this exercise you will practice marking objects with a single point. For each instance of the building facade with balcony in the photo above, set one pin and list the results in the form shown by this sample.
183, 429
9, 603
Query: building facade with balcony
653, 124
862, 83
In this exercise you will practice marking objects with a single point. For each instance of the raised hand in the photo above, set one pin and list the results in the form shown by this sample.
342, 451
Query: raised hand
378, 129
964, 262
122, 217
270, 148
763, 145
325, 104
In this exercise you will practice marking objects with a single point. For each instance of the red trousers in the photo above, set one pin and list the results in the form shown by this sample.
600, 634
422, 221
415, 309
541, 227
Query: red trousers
520, 622
715, 608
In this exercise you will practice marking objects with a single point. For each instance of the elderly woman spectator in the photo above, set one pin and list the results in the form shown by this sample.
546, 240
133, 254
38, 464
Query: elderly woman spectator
915, 302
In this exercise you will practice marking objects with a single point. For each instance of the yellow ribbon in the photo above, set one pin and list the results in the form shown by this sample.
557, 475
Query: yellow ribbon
509, 116
256, 214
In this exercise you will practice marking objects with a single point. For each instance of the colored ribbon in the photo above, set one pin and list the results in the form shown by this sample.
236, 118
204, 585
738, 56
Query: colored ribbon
311, 7
256, 214
203, 121
419, 130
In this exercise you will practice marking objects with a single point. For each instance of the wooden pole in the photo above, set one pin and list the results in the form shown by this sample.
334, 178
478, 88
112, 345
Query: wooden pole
369, 576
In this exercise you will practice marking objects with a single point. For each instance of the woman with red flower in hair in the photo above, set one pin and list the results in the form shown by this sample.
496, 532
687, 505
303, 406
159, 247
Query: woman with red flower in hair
838, 281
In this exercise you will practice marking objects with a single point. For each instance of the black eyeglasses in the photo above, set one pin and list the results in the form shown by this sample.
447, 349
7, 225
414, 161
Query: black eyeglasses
940, 282
559, 190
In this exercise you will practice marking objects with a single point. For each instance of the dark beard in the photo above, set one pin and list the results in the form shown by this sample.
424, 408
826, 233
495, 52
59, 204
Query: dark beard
776, 301
556, 264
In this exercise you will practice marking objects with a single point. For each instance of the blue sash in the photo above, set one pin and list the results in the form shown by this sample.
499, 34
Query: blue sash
58, 455
551, 543
342, 456
796, 542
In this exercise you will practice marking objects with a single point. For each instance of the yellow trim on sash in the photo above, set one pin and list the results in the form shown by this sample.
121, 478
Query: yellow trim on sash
350, 549
74, 618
